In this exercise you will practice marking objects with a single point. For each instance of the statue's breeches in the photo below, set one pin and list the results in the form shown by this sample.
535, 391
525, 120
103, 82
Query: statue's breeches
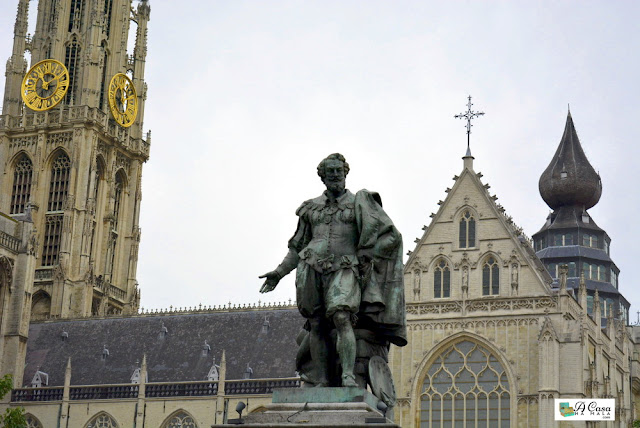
323, 294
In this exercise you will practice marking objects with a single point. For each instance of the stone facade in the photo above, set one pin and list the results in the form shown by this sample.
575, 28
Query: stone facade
17, 261
494, 342
492, 337
73, 165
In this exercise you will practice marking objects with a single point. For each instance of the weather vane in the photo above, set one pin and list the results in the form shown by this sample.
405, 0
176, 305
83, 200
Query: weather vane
469, 115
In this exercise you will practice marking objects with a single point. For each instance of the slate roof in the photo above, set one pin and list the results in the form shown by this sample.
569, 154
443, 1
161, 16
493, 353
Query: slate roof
591, 285
176, 357
573, 251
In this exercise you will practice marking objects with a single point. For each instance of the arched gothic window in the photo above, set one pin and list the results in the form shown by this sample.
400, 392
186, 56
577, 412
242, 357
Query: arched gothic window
467, 230
32, 421
97, 180
40, 306
441, 280
117, 198
490, 277
22, 175
108, 7
113, 237
58, 190
102, 420
466, 386
75, 14
180, 419
72, 62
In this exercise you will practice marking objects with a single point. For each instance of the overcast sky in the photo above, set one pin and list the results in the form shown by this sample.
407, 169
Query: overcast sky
246, 97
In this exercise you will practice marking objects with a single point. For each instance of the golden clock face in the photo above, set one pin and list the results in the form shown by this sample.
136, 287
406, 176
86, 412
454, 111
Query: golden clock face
45, 85
123, 100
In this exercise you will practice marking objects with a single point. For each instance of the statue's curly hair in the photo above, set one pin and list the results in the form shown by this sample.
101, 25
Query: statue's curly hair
336, 156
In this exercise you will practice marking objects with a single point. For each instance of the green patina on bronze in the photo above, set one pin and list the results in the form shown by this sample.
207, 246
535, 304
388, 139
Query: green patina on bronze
348, 256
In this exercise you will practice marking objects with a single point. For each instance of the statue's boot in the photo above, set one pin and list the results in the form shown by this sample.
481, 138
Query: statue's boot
349, 380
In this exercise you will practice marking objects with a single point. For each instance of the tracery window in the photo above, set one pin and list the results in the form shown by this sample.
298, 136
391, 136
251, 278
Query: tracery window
467, 230
32, 421
490, 277
466, 386
58, 189
22, 175
102, 420
180, 420
441, 280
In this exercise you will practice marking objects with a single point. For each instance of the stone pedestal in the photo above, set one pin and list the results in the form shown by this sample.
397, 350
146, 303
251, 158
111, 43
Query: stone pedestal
350, 407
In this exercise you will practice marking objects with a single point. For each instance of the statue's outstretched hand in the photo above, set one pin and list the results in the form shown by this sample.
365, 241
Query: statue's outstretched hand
272, 279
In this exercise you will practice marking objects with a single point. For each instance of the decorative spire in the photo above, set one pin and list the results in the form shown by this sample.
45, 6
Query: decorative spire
570, 180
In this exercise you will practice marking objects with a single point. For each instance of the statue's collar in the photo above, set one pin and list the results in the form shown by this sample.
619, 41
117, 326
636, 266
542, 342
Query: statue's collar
341, 200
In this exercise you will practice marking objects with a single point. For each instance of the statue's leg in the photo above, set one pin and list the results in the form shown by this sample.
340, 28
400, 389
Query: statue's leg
319, 350
346, 346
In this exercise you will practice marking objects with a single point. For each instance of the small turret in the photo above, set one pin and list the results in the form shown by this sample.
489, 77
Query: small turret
570, 236
570, 179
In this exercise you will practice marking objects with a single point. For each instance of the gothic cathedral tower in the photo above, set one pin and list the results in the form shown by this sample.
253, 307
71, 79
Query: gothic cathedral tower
72, 149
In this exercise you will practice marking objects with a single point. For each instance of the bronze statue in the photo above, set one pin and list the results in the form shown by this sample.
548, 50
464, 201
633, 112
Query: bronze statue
348, 256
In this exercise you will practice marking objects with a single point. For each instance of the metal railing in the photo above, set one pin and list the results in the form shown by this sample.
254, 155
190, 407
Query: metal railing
37, 394
103, 392
154, 390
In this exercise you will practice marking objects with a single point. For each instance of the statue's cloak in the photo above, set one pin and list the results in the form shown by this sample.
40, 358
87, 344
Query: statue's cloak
382, 309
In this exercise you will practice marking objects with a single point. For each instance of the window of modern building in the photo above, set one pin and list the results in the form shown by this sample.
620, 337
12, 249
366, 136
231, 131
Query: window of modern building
21, 191
490, 277
441, 280
465, 386
467, 230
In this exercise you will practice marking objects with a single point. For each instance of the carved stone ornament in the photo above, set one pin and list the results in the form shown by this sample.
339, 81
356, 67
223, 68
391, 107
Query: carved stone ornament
6, 272
465, 261
58, 273
416, 284
513, 259
465, 280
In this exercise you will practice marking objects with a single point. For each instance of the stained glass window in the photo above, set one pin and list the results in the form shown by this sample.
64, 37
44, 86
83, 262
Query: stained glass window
465, 386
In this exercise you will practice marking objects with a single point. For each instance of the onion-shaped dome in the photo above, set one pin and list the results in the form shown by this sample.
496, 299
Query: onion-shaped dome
570, 179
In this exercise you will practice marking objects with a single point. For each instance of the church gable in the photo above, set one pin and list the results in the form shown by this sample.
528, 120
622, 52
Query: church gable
472, 250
